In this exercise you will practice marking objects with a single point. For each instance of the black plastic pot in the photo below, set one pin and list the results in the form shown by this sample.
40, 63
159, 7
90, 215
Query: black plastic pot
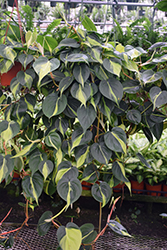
11, 3
132, 7
52, 4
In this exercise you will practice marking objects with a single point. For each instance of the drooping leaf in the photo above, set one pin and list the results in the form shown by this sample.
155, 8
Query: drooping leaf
116, 140
24, 79
11, 131
33, 186
45, 167
43, 226
65, 83
113, 65
25, 60
157, 130
118, 171
88, 233
81, 153
69, 237
150, 76
53, 140
134, 116
131, 86
79, 138
112, 89
66, 169
77, 58
35, 158
118, 228
81, 93
54, 105
6, 166
7, 52
69, 189
69, 42
101, 193
81, 73
101, 152
86, 116
143, 160
90, 173
158, 96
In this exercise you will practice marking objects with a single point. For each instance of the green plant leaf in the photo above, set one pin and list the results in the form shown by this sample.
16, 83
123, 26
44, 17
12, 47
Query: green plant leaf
143, 160
24, 79
49, 43
77, 57
86, 116
131, 86
35, 158
101, 152
134, 116
69, 42
101, 193
43, 226
112, 89
158, 96
157, 130
116, 140
54, 105
20, 109
118, 228
88, 24
25, 60
149, 76
65, 83
100, 72
69, 237
43, 66
90, 173
81, 153
79, 138
81, 93
162, 5
81, 73
118, 171
8, 52
53, 140
32, 186
113, 65
66, 169
88, 233
45, 167
15, 86
6, 166
25, 150
69, 189
11, 131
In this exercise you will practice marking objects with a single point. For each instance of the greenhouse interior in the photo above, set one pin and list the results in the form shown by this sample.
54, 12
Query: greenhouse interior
83, 125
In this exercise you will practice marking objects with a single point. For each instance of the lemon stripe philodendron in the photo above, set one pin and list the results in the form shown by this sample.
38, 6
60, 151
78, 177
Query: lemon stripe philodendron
67, 117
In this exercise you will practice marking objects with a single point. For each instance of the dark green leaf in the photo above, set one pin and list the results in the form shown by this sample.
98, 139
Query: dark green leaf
86, 116
157, 130
25, 60
88, 233
88, 24
134, 116
118, 171
69, 42
81, 73
54, 105
101, 193
113, 65
53, 140
158, 96
131, 86
65, 83
100, 152
118, 228
45, 167
33, 186
43, 226
143, 160
90, 173
116, 140
81, 93
112, 89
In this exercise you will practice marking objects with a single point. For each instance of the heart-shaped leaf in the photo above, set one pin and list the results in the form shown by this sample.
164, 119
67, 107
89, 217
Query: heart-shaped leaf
43, 226
101, 193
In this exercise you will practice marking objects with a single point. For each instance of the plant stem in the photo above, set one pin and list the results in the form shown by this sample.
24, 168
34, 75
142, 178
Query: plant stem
100, 216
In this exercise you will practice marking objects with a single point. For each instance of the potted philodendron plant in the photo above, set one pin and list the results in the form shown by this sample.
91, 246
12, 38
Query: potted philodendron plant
67, 118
